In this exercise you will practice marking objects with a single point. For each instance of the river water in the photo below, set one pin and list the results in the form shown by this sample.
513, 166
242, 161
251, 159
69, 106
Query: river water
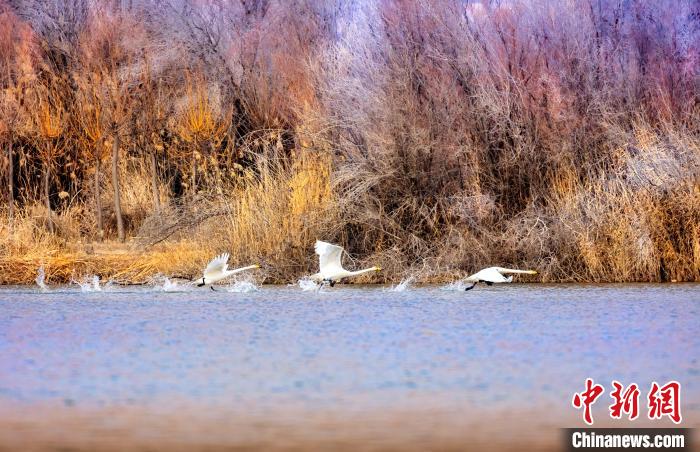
139, 367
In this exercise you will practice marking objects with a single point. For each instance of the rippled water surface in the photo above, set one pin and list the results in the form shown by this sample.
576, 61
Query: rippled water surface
504, 346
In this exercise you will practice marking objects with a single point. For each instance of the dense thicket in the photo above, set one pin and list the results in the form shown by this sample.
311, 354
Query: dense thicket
430, 137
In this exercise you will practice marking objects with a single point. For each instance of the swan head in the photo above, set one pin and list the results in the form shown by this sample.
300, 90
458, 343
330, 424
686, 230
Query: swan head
377, 269
257, 266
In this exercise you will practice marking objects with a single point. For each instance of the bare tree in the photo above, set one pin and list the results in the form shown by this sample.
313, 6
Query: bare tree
93, 123
154, 108
114, 68
50, 118
17, 59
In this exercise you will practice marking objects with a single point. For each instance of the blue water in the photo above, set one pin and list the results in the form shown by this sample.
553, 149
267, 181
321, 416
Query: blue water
500, 346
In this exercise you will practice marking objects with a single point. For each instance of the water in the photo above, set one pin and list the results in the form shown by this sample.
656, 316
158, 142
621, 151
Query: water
307, 285
89, 284
508, 348
402, 286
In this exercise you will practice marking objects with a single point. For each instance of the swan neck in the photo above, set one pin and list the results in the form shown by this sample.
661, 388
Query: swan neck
249, 267
366, 270
512, 270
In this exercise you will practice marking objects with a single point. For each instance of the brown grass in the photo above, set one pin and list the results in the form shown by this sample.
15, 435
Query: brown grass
430, 141
274, 218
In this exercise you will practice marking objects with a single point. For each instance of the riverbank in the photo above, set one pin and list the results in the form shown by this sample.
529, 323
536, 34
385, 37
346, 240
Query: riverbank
124, 265
110, 262
132, 264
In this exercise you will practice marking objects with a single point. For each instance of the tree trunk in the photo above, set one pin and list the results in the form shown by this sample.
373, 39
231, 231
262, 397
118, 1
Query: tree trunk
115, 186
98, 202
47, 201
154, 182
193, 188
10, 183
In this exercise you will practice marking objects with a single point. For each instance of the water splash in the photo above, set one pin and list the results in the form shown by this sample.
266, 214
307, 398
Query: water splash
307, 285
90, 284
243, 286
162, 283
457, 286
40, 279
403, 285
171, 286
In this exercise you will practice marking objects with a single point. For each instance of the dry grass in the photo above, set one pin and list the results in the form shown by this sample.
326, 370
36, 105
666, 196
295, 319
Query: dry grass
561, 136
274, 218
598, 230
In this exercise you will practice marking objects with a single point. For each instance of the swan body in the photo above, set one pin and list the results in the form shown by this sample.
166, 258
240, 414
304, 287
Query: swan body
330, 267
217, 270
495, 275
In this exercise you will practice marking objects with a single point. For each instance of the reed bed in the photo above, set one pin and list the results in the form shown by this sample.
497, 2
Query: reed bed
138, 139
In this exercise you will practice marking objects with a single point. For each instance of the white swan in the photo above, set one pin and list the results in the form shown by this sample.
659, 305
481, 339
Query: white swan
217, 270
494, 275
330, 267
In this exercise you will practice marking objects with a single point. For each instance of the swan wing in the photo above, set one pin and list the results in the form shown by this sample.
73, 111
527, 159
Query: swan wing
329, 256
217, 266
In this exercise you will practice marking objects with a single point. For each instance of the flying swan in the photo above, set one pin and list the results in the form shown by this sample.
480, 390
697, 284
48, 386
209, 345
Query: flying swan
493, 275
330, 267
217, 270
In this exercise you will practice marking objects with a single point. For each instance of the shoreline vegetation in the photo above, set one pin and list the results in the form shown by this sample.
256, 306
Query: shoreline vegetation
144, 137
